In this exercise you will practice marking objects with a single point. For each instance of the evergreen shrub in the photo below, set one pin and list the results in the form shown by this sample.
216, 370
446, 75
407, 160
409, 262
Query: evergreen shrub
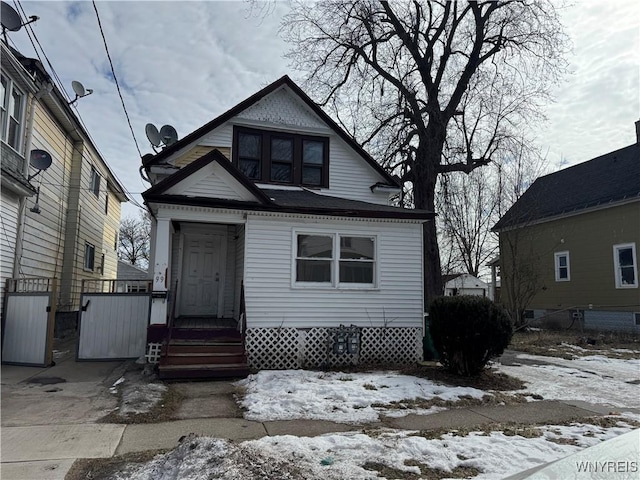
468, 331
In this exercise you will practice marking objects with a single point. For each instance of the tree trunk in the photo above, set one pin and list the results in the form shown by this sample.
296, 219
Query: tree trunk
424, 187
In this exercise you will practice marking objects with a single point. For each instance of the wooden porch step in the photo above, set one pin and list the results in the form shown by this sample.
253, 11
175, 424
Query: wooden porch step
205, 334
208, 358
192, 347
203, 371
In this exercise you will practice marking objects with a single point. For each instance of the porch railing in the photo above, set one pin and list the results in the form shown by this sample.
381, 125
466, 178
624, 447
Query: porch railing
243, 312
172, 316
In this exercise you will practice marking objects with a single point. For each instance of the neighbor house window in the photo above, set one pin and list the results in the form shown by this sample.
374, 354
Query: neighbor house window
89, 256
283, 158
335, 260
12, 114
106, 203
563, 273
94, 182
626, 265
102, 264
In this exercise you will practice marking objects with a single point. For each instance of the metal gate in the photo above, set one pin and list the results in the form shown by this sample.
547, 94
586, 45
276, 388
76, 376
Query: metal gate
29, 316
113, 319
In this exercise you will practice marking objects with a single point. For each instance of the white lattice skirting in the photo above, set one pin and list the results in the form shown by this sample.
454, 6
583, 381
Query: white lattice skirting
287, 348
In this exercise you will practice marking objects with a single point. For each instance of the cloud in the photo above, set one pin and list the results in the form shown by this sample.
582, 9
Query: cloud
184, 63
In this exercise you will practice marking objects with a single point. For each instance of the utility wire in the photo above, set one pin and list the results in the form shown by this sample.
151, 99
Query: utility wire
34, 40
115, 78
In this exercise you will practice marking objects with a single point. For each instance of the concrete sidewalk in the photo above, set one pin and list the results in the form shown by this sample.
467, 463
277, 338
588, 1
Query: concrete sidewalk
49, 418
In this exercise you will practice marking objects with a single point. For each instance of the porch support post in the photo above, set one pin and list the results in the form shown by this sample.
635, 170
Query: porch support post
161, 271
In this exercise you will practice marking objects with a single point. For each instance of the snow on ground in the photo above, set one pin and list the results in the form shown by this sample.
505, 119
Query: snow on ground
594, 379
343, 455
339, 397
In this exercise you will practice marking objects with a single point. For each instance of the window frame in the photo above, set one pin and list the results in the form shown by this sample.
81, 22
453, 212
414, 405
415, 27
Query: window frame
335, 283
94, 181
6, 115
89, 261
617, 269
556, 258
297, 164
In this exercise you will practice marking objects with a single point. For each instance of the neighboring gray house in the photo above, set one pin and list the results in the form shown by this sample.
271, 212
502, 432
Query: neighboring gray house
131, 278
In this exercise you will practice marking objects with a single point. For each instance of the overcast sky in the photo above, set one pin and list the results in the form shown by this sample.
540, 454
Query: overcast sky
184, 63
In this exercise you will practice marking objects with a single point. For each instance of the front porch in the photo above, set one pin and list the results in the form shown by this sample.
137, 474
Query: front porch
197, 299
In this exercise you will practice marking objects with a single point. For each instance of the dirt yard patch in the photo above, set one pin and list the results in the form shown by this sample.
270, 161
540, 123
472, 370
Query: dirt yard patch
489, 379
571, 344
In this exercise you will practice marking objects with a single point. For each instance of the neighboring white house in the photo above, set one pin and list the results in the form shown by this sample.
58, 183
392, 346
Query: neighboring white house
273, 212
465, 284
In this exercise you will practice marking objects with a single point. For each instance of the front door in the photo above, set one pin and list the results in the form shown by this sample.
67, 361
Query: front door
201, 272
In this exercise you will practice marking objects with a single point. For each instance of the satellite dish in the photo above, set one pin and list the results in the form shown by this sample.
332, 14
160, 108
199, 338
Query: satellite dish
40, 159
169, 135
10, 19
153, 135
78, 88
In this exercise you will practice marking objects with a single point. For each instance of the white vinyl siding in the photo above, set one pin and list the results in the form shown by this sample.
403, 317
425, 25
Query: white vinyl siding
272, 301
213, 187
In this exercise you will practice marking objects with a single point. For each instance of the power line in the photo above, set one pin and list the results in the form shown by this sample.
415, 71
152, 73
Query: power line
115, 78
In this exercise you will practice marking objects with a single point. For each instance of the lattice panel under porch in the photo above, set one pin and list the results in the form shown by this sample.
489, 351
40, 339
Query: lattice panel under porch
153, 352
391, 345
318, 350
273, 348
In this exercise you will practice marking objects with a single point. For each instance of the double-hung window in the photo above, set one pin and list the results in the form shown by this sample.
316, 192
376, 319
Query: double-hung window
563, 273
280, 157
12, 114
94, 182
625, 265
335, 260
89, 256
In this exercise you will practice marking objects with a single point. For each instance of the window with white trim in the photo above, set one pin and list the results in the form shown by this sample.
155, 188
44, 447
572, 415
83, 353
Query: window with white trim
625, 265
12, 114
89, 256
335, 260
563, 273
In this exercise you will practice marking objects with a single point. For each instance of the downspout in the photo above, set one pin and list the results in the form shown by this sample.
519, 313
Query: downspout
23, 200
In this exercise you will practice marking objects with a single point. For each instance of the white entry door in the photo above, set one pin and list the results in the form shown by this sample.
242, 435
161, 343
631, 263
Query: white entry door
201, 275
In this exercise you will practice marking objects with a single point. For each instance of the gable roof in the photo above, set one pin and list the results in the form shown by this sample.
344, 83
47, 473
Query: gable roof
215, 156
283, 81
300, 201
607, 179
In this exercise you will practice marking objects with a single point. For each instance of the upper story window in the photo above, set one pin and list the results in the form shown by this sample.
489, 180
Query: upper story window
563, 273
283, 158
94, 181
625, 265
13, 103
89, 256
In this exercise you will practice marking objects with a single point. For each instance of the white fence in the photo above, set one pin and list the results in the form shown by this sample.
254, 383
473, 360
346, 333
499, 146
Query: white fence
113, 324
29, 316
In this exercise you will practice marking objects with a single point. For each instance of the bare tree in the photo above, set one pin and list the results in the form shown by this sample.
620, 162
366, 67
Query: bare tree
133, 242
431, 87
470, 205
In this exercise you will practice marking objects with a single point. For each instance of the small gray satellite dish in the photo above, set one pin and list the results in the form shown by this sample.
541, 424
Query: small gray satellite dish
78, 88
153, 135
169, 135
10, 19
40, 159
